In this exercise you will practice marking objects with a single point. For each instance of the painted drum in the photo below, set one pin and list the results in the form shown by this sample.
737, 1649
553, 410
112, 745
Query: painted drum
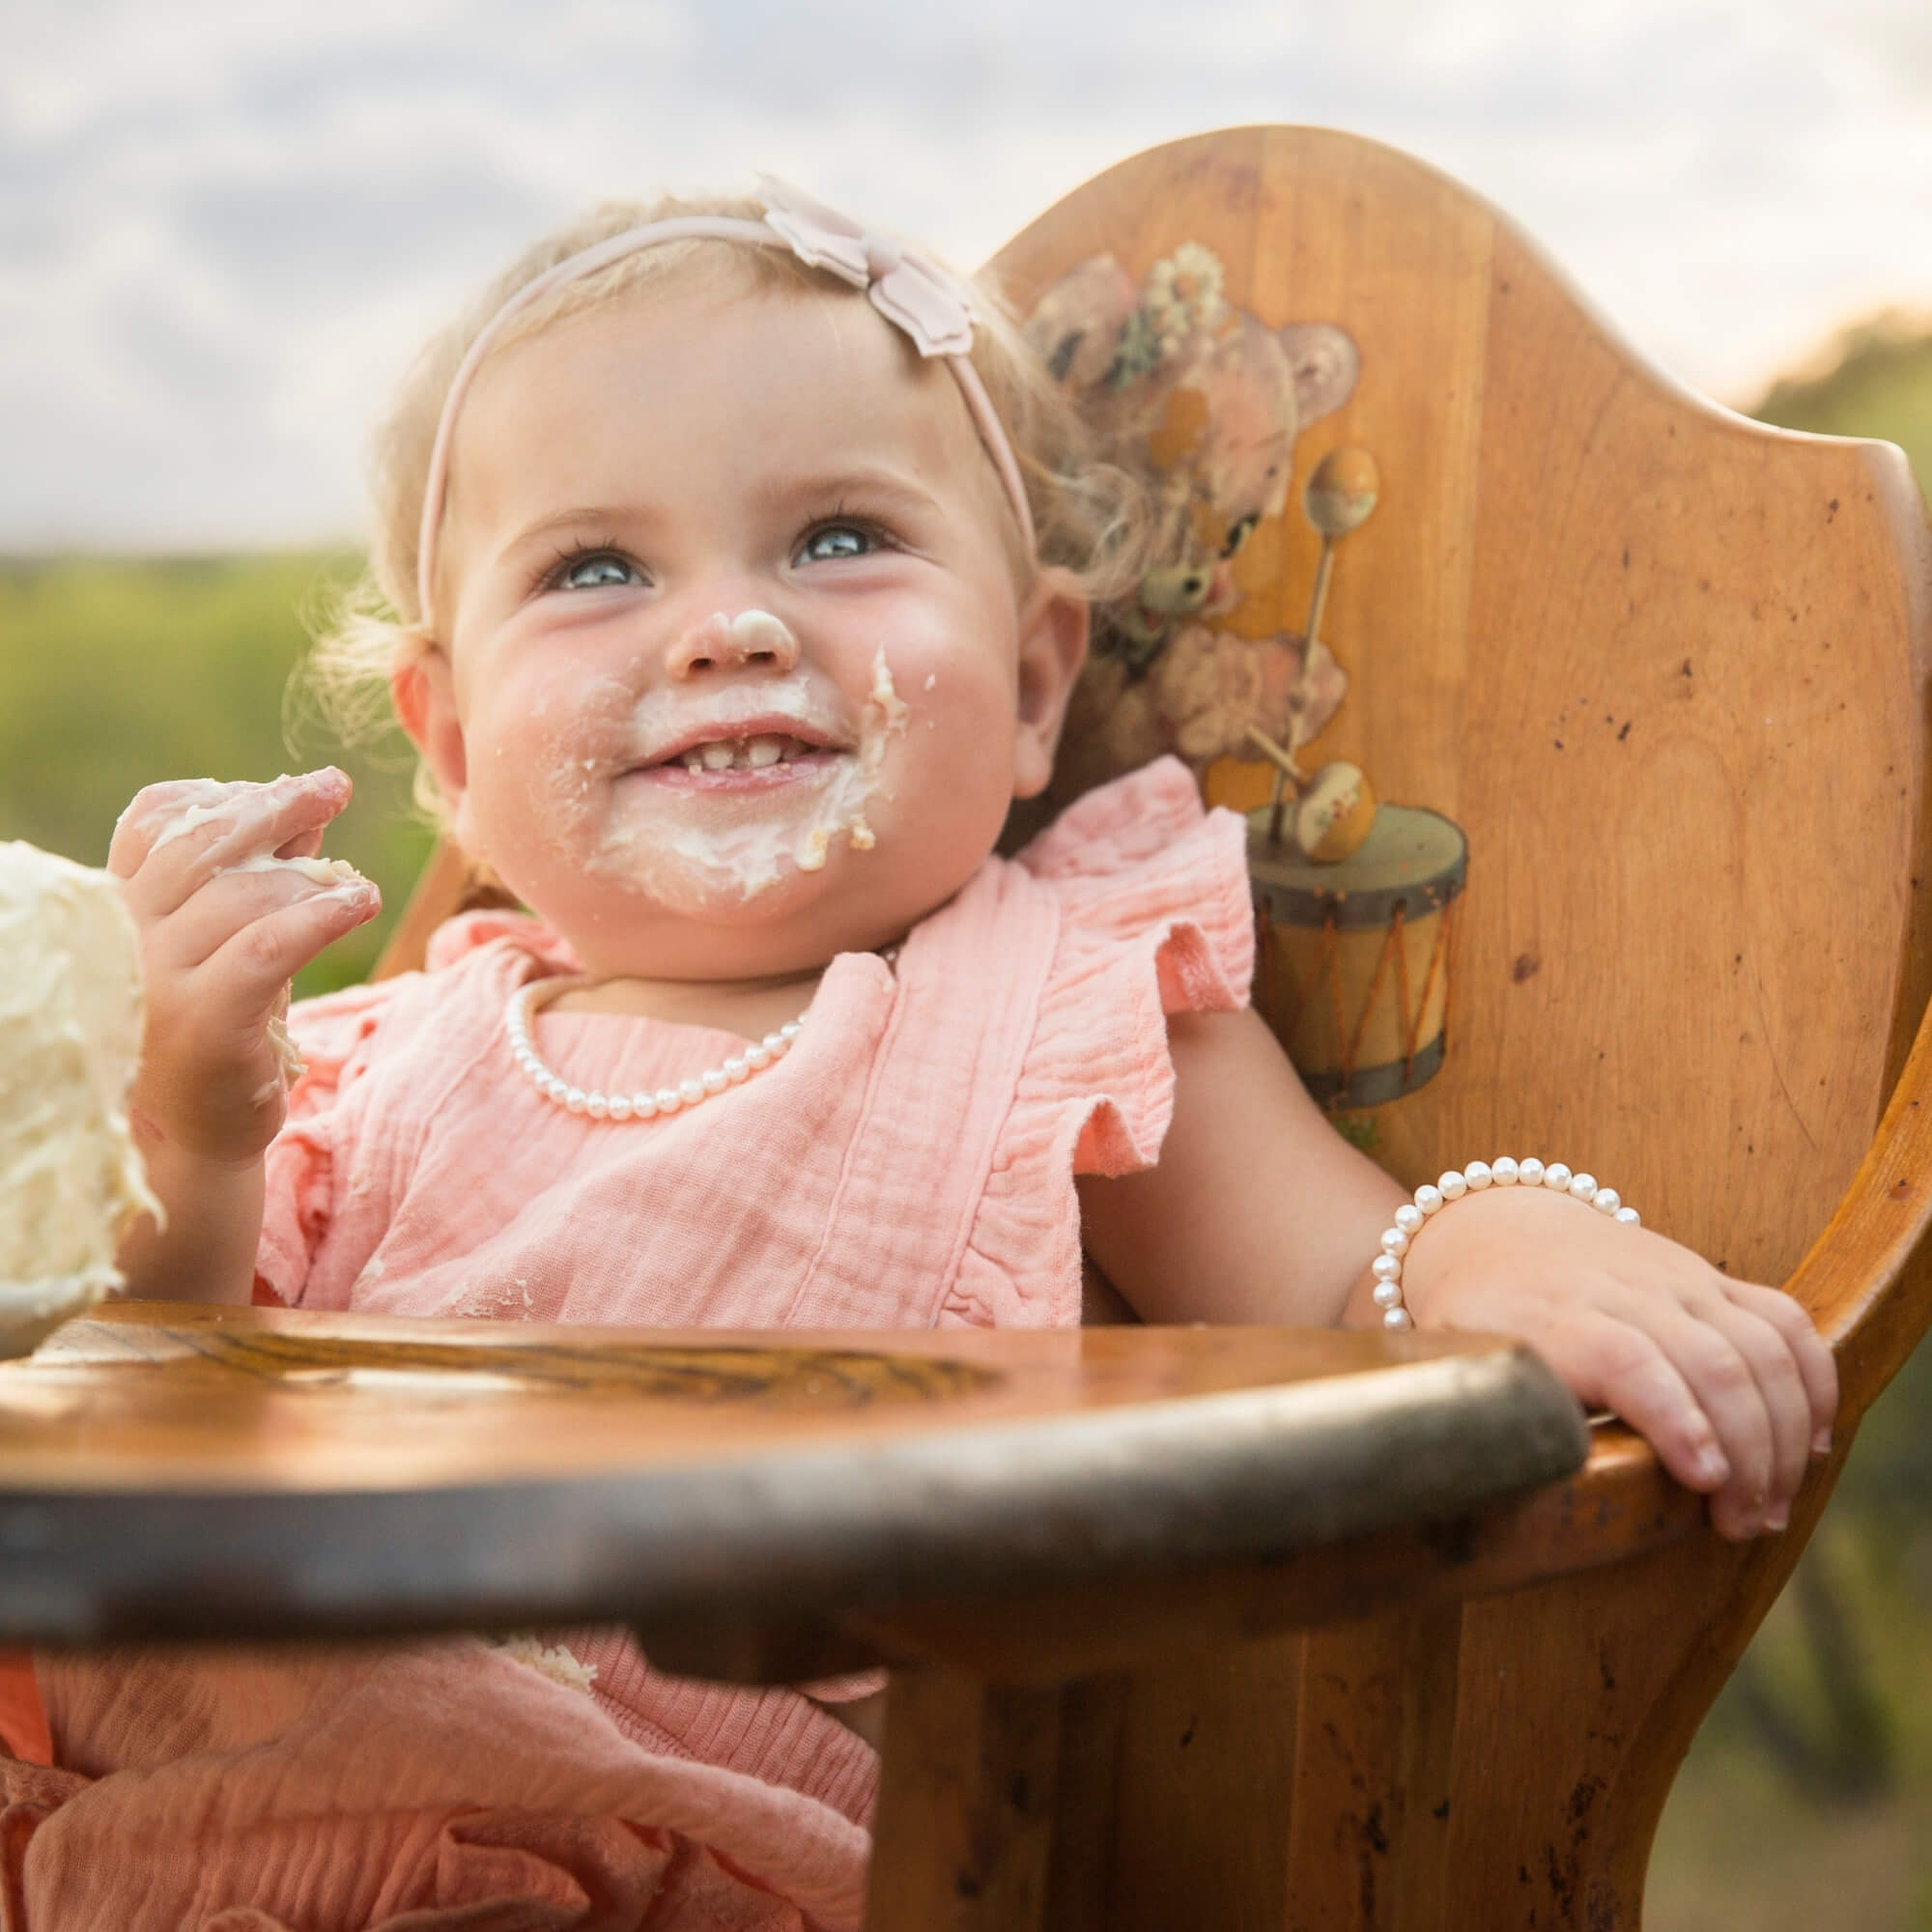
1351, 969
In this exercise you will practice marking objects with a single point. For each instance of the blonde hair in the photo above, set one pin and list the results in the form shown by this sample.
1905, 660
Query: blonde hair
1092, 518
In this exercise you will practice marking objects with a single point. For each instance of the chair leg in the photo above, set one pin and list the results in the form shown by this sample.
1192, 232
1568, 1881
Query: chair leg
1205, 1765
964, 1829
1130, 1802
1370, 1810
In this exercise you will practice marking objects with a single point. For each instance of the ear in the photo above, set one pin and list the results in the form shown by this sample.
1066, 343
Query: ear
424, 695
1325, 363
1053, 646
1077, 324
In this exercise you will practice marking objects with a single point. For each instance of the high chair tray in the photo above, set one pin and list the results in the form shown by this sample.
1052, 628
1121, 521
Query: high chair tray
174, 1471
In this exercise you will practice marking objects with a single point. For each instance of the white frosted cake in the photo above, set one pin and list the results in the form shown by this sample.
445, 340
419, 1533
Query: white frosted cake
71, 1180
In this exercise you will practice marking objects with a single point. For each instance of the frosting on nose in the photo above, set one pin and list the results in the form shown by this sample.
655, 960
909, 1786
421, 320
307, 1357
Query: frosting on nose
752, 636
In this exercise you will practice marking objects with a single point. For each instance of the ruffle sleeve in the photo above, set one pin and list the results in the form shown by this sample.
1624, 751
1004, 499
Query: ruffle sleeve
341, 1037
1156, 919
332, 1033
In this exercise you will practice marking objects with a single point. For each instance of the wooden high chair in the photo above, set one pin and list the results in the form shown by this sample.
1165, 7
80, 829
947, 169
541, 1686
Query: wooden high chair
1662, 674
1665, 670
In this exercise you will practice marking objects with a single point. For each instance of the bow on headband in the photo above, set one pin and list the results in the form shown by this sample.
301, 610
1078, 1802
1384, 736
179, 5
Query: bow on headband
911, 291
929, 304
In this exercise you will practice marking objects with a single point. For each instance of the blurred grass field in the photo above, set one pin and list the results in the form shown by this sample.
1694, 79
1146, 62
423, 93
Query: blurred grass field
1806, 1801
116, 673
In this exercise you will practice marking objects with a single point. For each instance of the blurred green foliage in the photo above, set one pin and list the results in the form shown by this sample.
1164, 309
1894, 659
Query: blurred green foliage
116, 673
1876, 381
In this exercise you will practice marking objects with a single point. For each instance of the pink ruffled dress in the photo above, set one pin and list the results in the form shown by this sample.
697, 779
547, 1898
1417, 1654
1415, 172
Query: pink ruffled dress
915, 1155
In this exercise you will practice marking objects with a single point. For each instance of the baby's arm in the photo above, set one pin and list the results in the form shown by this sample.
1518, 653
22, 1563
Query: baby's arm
229, 900
1260, 1211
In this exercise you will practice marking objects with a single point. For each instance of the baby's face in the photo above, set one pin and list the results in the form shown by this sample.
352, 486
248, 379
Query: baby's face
741, 671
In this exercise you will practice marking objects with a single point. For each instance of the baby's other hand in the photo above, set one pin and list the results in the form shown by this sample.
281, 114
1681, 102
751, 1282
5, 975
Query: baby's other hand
1729, 1380
230, 899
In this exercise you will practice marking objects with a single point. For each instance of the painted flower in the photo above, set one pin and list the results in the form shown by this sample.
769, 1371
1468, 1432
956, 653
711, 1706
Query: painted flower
1182, 296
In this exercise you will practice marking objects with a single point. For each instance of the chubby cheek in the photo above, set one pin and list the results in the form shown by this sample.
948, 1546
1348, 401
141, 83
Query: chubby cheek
952, 770
538, 760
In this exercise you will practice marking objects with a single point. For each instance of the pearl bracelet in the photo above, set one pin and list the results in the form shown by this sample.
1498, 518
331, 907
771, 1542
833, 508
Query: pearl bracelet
1430, 1198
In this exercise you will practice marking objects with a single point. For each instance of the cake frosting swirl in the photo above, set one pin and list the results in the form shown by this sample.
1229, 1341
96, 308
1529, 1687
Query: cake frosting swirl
70, 1178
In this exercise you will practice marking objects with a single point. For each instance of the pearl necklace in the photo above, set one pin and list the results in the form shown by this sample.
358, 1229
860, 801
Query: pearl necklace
733, 1071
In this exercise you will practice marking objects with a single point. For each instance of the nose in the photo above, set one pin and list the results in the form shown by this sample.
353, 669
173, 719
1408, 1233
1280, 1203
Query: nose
753, 640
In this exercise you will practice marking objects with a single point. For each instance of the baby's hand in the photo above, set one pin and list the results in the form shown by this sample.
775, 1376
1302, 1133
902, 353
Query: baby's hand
1729, 1380
230, 899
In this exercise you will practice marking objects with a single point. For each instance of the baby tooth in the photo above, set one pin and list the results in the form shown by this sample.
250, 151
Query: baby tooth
763, 751
694, 760
717, 755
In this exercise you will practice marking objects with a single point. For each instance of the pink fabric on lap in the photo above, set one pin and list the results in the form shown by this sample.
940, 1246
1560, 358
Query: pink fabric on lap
328, 1789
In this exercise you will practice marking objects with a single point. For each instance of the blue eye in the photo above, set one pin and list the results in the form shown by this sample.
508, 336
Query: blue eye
834, 541
595, 570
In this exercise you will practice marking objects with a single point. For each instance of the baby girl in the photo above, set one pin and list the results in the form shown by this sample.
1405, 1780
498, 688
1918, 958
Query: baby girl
736, 566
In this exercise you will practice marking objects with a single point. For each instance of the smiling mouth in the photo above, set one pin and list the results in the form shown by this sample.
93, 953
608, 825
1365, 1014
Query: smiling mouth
751, 753
754, 757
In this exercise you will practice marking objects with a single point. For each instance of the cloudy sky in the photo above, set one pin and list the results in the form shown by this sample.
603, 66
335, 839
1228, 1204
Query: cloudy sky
225, 224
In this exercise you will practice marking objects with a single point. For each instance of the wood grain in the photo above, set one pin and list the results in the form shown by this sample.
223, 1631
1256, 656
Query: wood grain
149, 1395
184, 1469
966, 1834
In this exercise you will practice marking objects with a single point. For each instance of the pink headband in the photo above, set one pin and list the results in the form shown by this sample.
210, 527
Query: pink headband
912, 292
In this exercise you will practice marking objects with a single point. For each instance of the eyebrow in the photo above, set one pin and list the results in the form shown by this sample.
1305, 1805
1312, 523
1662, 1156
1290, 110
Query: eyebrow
576, 518
862, 481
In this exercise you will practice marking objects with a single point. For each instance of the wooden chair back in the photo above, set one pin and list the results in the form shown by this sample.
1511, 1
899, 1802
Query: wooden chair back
1665, 672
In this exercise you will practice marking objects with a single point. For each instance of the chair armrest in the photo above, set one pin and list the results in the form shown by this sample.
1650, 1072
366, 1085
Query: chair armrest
1864, 1280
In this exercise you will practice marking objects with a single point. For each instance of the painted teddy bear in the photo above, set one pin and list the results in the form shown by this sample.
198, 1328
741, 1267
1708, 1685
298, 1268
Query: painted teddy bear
1207, 400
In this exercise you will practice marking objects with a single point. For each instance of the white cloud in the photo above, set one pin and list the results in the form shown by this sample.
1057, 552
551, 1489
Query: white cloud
218, 243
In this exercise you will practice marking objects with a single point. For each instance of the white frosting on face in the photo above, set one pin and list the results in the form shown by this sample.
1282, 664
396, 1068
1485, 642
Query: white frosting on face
752, 632
71, 1180
694, 851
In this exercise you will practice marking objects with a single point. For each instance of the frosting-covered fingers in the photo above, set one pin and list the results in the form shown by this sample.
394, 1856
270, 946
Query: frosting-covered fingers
216, 1060
176, 836
307, 845
247, 973
229, 896
243, 895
